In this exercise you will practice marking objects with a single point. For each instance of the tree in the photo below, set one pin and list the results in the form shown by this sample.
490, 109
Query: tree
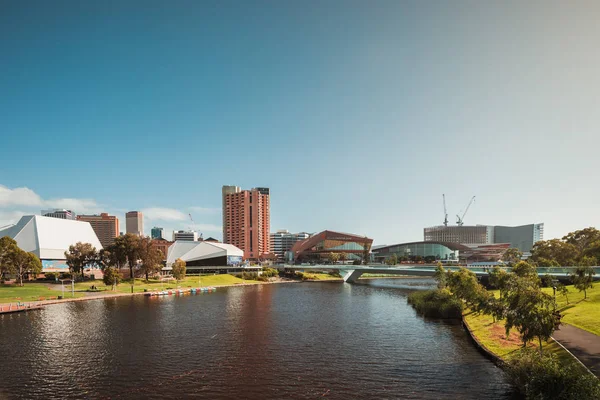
127, 248
529, 310
498, 278
440, 276
79, 256
7, 247
512, 256
392, 260
583, 279
179, 269
563, 291
463, 284
524, 269
563, 253
333, 257
150, 257
583, 238
366, 251
343, 257
24, 263
111, 277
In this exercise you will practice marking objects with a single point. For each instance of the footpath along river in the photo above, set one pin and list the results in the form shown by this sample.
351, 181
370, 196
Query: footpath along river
299, 341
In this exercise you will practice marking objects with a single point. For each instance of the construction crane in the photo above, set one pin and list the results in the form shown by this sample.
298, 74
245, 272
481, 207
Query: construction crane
460, 220
445, 211
193, 226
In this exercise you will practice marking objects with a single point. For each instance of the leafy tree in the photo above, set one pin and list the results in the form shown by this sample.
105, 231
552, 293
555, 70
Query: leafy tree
366, 252
150, 257
463, 284
563, 253
7, 247
80, 255
179, 269
128, 247
343, 257
392, 260
529, 310
512, 256
583, 279
563, 291
586, 261
545, 263
333, 257
418, 259
524, 269
111, 277
593, 250
583, 238
24, 263
440, 276
498, 278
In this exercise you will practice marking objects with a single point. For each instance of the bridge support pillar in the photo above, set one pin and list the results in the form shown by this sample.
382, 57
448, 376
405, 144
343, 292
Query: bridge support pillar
352, 275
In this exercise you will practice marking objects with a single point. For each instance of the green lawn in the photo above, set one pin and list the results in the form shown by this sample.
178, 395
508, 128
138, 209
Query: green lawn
493, 337
152, 285
320, 277
32, 292
584, 314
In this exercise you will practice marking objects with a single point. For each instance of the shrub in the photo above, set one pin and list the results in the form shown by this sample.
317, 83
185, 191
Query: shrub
269, 272
51, 276
335, 273
300, 275
543, 377
436, 304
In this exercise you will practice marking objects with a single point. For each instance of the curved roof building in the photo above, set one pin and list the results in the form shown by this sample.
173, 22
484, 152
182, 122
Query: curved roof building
204, 253
319, 246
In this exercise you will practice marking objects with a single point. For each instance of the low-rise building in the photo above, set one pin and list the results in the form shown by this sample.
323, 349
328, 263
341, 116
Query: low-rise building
318, 247
190, 236
59, 213
106, 227
282, 241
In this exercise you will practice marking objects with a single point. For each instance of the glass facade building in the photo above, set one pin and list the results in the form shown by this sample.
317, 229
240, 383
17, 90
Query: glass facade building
439, 250
318, 247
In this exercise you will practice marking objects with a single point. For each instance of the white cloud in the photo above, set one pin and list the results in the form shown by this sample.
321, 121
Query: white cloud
79, 206
11, 217
19, 197
164, 214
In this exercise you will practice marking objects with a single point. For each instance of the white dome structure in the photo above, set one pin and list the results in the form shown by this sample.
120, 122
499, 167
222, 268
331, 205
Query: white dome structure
204, 253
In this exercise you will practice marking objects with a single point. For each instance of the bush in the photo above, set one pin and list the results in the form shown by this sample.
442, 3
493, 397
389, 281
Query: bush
436, 304
335, 273
249, 276
544, 377
269, 272
300, 275
51, 276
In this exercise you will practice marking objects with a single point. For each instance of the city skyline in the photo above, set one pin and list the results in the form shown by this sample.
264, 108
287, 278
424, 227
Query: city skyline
356, 117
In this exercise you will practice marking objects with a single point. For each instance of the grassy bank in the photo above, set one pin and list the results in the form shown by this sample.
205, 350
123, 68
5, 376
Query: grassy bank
584, 314
141, 285
436, 304
33, 292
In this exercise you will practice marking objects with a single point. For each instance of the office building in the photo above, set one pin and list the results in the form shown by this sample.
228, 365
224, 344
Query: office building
134, 223
157, 233
59, 213
49, 238
247, 221
282, 241
106, 226
189, 236
318, 247
520, 237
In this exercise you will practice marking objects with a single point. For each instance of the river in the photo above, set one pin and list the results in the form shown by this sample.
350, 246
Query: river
298, 341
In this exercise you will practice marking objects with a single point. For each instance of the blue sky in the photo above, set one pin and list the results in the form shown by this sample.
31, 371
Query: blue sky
358, 115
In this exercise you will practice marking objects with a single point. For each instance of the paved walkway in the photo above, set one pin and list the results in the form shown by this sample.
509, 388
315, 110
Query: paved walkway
584, 345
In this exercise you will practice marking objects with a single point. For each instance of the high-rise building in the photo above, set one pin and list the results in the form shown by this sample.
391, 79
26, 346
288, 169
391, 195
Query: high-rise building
106, 226
59, 213
191, 236
283, 240
134, 223
157, 233
247, 220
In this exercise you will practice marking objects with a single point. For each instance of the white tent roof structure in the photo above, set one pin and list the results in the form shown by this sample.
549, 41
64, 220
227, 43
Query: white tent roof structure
192, 251
49, 238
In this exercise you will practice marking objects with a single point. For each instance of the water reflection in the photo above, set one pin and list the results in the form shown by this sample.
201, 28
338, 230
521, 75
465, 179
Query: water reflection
259, 342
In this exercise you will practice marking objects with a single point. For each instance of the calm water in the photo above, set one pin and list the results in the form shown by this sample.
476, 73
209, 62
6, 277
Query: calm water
301, 341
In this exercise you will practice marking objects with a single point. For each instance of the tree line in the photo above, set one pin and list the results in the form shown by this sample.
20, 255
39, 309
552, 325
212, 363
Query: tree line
128, 250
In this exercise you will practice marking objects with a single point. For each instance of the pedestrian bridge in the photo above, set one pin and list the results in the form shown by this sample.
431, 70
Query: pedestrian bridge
351, 273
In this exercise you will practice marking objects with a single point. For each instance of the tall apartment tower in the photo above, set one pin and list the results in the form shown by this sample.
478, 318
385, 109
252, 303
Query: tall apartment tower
247, 220
106, 227
134, 223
